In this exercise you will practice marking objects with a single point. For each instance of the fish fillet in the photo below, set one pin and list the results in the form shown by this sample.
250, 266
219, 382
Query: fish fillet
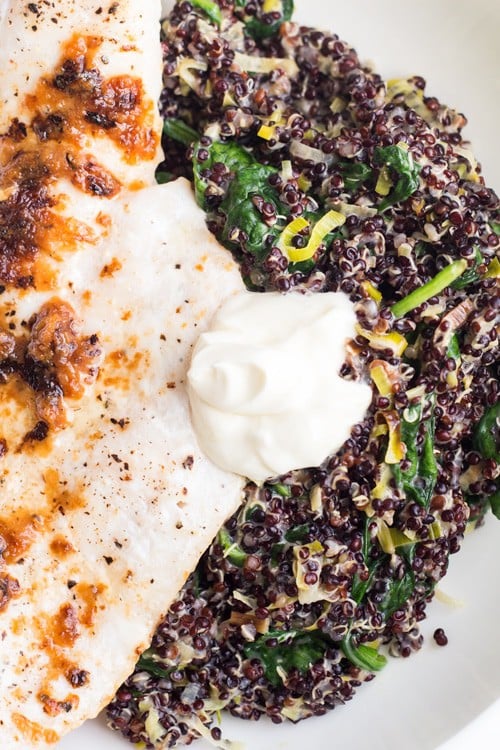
106, 281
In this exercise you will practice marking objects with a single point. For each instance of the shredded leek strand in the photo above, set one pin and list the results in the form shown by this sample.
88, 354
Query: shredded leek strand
330, 221
392, 340
254, 64
493, 270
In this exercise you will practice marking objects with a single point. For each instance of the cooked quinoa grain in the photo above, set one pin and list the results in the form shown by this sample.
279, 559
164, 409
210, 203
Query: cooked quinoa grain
319, 176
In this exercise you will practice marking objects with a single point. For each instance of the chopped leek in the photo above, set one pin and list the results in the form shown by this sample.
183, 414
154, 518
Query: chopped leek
381, 341
330, 221
254, 64
396, 447
390, 538
453, 349
185, 68
337, 105
286, 170
385, 539
316, 499
372, 291
380, 374
493, 270
291, 230
272, 6
384, 182
266, 132
382, 488
152, 725
398, 87
303, 183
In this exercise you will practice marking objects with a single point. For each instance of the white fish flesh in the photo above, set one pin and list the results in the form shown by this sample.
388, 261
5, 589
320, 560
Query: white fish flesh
107, 280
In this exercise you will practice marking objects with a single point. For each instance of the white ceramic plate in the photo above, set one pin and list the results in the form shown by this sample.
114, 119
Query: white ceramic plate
440, 695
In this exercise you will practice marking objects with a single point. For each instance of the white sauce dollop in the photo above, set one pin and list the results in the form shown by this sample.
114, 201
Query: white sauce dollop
264, 386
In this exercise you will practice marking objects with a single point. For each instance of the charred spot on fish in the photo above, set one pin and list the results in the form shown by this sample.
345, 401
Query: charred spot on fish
7, 368
57, 344
65, 626
100, 119
61, 547
22, 215
77, 678
25, 282
38, 376
7, 344
35, 374
122, 423
70, 72
125, 94
55, 361
17, 131
53, 707
64, 108
38, 433
115, 105
48, 128
18, 533
9, 588
92, 178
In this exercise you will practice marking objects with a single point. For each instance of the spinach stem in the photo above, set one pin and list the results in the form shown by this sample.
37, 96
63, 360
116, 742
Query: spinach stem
441, 280
363, 656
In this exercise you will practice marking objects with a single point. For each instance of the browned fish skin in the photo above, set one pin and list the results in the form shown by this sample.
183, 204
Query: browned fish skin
73, 102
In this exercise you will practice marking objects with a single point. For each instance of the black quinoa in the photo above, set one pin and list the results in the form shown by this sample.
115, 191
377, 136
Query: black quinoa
305, 566
440, 637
